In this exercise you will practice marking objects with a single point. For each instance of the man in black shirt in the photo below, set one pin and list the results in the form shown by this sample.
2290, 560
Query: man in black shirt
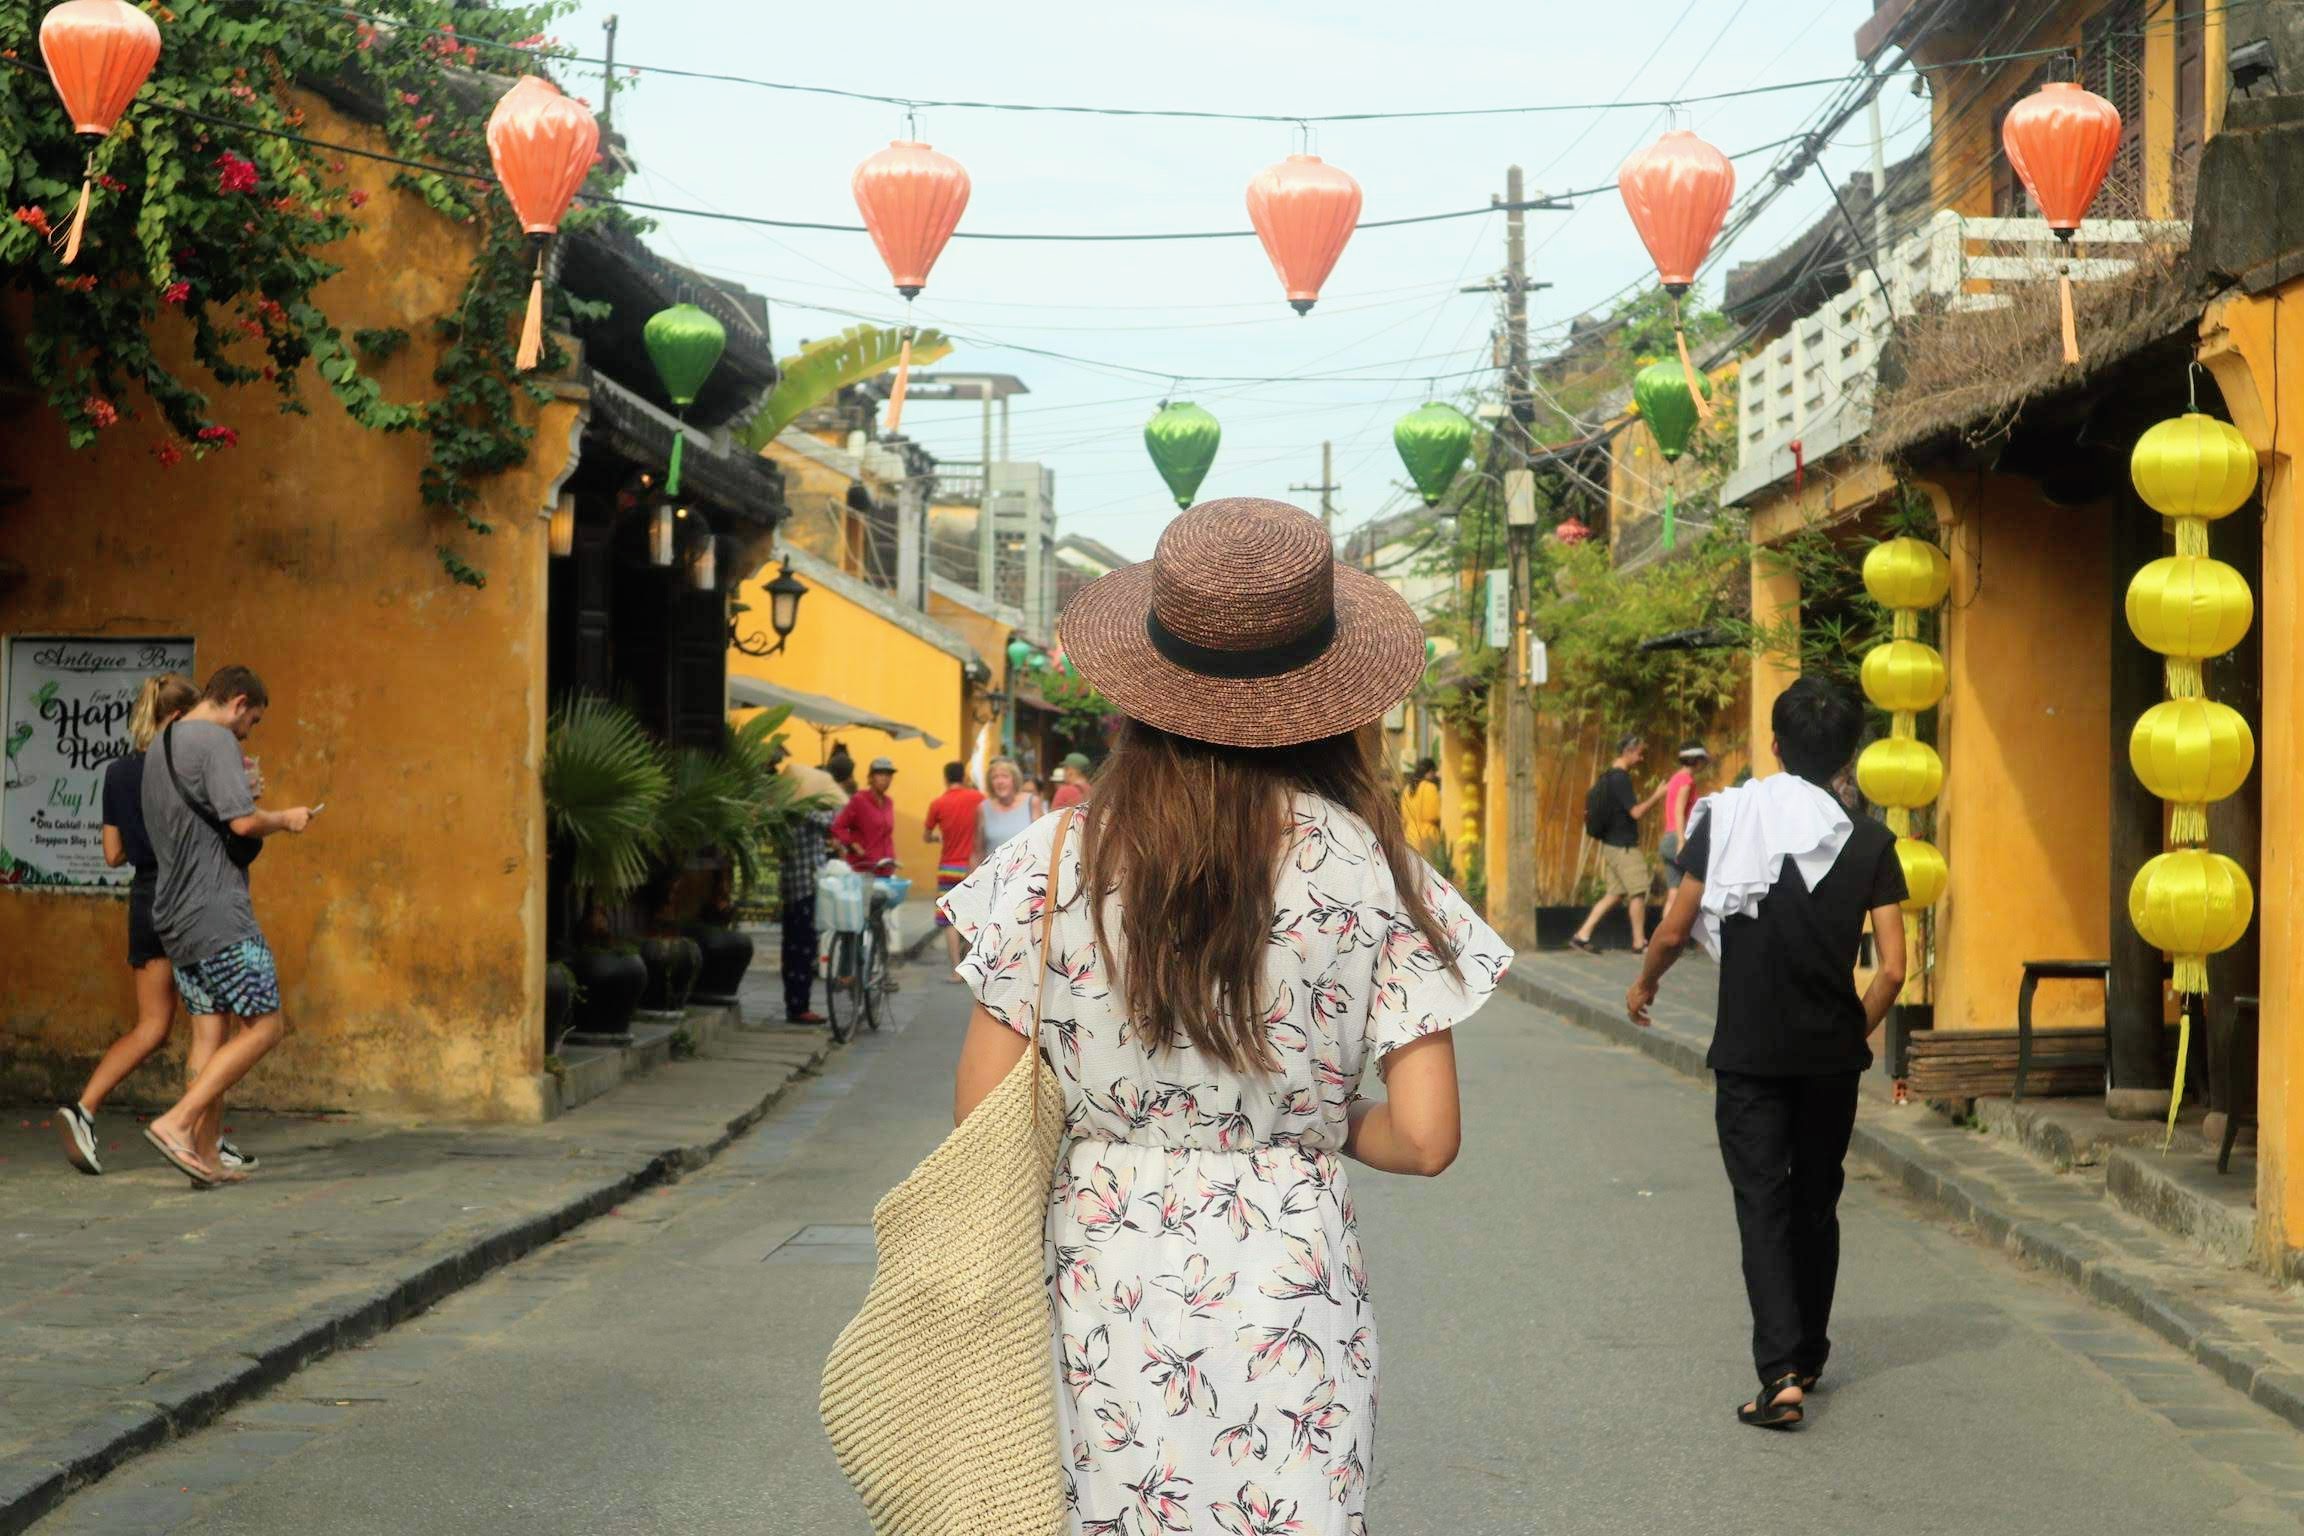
1797, 876
1612, 812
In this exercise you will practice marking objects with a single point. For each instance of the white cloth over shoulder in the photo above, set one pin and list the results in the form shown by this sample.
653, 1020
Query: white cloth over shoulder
1755, 827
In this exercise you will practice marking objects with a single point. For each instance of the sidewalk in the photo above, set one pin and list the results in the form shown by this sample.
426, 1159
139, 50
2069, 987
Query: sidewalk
2232, 1319
137, 1308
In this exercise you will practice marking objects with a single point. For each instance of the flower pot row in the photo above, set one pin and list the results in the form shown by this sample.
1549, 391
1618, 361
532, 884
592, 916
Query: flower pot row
598, 989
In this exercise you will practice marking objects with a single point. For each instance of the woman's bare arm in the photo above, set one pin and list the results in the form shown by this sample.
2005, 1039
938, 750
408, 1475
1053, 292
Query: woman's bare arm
1417, 1126
987, 1054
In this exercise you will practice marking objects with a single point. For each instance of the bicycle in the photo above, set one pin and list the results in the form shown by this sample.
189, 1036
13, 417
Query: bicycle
859, 975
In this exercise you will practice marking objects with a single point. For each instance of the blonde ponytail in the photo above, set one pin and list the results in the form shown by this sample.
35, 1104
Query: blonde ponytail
160, 700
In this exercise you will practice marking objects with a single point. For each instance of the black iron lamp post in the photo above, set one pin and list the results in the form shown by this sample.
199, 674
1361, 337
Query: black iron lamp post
784, 594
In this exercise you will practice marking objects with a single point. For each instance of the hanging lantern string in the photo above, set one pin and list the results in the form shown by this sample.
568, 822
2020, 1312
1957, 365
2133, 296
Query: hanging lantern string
67, 239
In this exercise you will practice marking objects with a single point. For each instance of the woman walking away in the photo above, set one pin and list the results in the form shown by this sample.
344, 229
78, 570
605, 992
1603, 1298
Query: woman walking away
1006, 810
1679, 800
1242, 943
158, 703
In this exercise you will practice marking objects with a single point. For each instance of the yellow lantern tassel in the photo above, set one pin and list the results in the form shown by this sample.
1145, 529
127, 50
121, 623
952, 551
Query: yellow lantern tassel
2191, 536
532, 328
2071, 325
2183, 1050
1899, 820
1688, 368
1904, 624
903, 383
2184, 678
2188, 823
70, 239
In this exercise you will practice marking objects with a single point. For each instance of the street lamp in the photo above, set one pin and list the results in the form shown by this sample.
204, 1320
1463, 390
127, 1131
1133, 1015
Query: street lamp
784, 594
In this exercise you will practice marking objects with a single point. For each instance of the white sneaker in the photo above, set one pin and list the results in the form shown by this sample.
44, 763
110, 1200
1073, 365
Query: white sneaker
77, 1131
232, 1157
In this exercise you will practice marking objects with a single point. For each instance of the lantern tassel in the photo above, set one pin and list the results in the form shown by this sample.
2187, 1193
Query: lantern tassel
903, 383
679, 444
532, 328
2183, 1050
1670, 519
2188, 823
70, 239
1688, 367
2184, 678
2071, 325
1899, 819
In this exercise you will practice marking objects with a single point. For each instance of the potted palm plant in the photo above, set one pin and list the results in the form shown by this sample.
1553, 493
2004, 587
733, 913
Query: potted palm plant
769, 801
702, 808
604, 783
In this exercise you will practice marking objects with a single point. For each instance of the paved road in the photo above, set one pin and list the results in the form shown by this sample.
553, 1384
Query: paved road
1564, 1338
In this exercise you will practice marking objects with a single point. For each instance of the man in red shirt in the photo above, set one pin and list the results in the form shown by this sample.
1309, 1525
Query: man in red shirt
952, 824
865, 829
1074, 789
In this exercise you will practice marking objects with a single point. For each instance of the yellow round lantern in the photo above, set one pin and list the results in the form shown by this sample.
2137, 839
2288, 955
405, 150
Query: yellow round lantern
1898, 771
1907, 573
2189, 606
1903, 675
2191, 751
2193, 466
1924, 872
2192, 904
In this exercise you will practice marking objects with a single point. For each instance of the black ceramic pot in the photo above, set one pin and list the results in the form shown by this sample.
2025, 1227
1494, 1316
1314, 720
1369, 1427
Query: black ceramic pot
559, 1004
608, 984
727, 956
672, 966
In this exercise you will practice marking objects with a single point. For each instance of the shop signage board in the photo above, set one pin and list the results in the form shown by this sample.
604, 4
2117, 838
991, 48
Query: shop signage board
68, 699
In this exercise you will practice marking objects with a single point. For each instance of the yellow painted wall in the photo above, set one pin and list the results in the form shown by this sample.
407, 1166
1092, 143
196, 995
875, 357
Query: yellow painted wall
408, 925
845, 651
2239, 344
2026, 737
817, 496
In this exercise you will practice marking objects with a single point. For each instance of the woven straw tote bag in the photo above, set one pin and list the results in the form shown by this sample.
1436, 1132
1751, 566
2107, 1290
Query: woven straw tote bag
940, 1395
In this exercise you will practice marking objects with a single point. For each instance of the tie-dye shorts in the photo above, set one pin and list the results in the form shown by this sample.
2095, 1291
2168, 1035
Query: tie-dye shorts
239, 980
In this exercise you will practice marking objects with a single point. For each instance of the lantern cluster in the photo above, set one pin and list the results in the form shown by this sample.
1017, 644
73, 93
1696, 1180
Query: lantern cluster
1904, 676
1661, 394
2188, 749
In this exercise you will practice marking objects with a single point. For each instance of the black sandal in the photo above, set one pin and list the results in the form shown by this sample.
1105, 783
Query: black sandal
1769, 1410
1582, 946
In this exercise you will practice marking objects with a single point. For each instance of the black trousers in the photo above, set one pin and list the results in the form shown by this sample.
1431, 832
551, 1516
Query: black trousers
1784, 1140
799, 921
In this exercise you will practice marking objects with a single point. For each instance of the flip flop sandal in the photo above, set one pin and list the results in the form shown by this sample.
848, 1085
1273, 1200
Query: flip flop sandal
181, 1159
1769, 1410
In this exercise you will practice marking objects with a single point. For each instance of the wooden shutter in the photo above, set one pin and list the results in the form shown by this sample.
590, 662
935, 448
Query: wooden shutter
2112, 65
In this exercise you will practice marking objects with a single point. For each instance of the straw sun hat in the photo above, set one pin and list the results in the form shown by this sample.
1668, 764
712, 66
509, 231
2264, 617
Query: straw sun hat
1243, 629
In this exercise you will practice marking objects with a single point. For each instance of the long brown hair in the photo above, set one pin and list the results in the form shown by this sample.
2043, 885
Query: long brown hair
1188, 838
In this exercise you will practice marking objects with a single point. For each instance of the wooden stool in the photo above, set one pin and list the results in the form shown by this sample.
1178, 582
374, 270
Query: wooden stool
2036, 972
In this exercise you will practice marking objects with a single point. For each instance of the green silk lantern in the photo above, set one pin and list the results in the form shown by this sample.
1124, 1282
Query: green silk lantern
1182, 440
1661, 392
685, 345
1432, 440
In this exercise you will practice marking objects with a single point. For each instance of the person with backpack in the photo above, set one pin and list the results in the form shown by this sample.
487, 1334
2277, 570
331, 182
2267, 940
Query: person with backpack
1612, 812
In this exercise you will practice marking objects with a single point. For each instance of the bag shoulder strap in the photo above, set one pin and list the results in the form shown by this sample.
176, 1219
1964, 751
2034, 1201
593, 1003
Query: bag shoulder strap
168, 755
1047, 945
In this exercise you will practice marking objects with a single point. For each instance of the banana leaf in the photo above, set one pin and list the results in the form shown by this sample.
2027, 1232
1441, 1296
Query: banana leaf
822, 368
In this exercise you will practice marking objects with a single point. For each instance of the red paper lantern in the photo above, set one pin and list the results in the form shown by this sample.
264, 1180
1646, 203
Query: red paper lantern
1304, 209
543, 146
2061, 140
99, 54
1677, 191
911, 198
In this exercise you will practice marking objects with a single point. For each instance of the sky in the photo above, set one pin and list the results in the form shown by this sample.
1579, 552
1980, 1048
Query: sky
1198, 317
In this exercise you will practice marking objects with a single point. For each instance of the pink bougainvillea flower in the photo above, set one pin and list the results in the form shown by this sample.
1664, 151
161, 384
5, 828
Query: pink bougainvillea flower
35, 216
221, 437
100, 411
358, 198
168, 454
409, 98
234, 174
177, 292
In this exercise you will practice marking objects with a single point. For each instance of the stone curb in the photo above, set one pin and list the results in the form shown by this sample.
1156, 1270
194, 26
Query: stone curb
197, 1394
2052, 1246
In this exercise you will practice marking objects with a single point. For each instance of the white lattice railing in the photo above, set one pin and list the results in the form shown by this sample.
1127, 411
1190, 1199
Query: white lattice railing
1813, 385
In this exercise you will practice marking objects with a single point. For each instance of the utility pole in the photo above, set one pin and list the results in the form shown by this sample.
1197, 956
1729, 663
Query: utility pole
608, 81
1879, 180
1327, 488
1518, 914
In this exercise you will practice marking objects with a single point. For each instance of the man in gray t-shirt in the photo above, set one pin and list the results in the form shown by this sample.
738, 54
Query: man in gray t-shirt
197, 805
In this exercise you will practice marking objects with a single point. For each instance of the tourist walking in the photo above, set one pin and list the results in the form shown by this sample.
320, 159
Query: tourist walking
1780, 879
158, 703
865, 829
799, 861
1007, 810
1679, 799
1077, 779
952, 821
1612, 812
1284, 950
1420, 807
200, 813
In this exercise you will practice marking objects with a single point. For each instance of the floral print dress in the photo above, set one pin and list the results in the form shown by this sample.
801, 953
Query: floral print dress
1216, 1339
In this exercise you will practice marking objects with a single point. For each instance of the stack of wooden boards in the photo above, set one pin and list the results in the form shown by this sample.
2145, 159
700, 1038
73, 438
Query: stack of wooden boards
1981, 1063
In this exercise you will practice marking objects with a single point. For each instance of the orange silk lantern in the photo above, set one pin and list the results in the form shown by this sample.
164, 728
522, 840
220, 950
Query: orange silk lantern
543, 146
2061, 140
911, 198
99, 54
1304, 209
1677, 191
